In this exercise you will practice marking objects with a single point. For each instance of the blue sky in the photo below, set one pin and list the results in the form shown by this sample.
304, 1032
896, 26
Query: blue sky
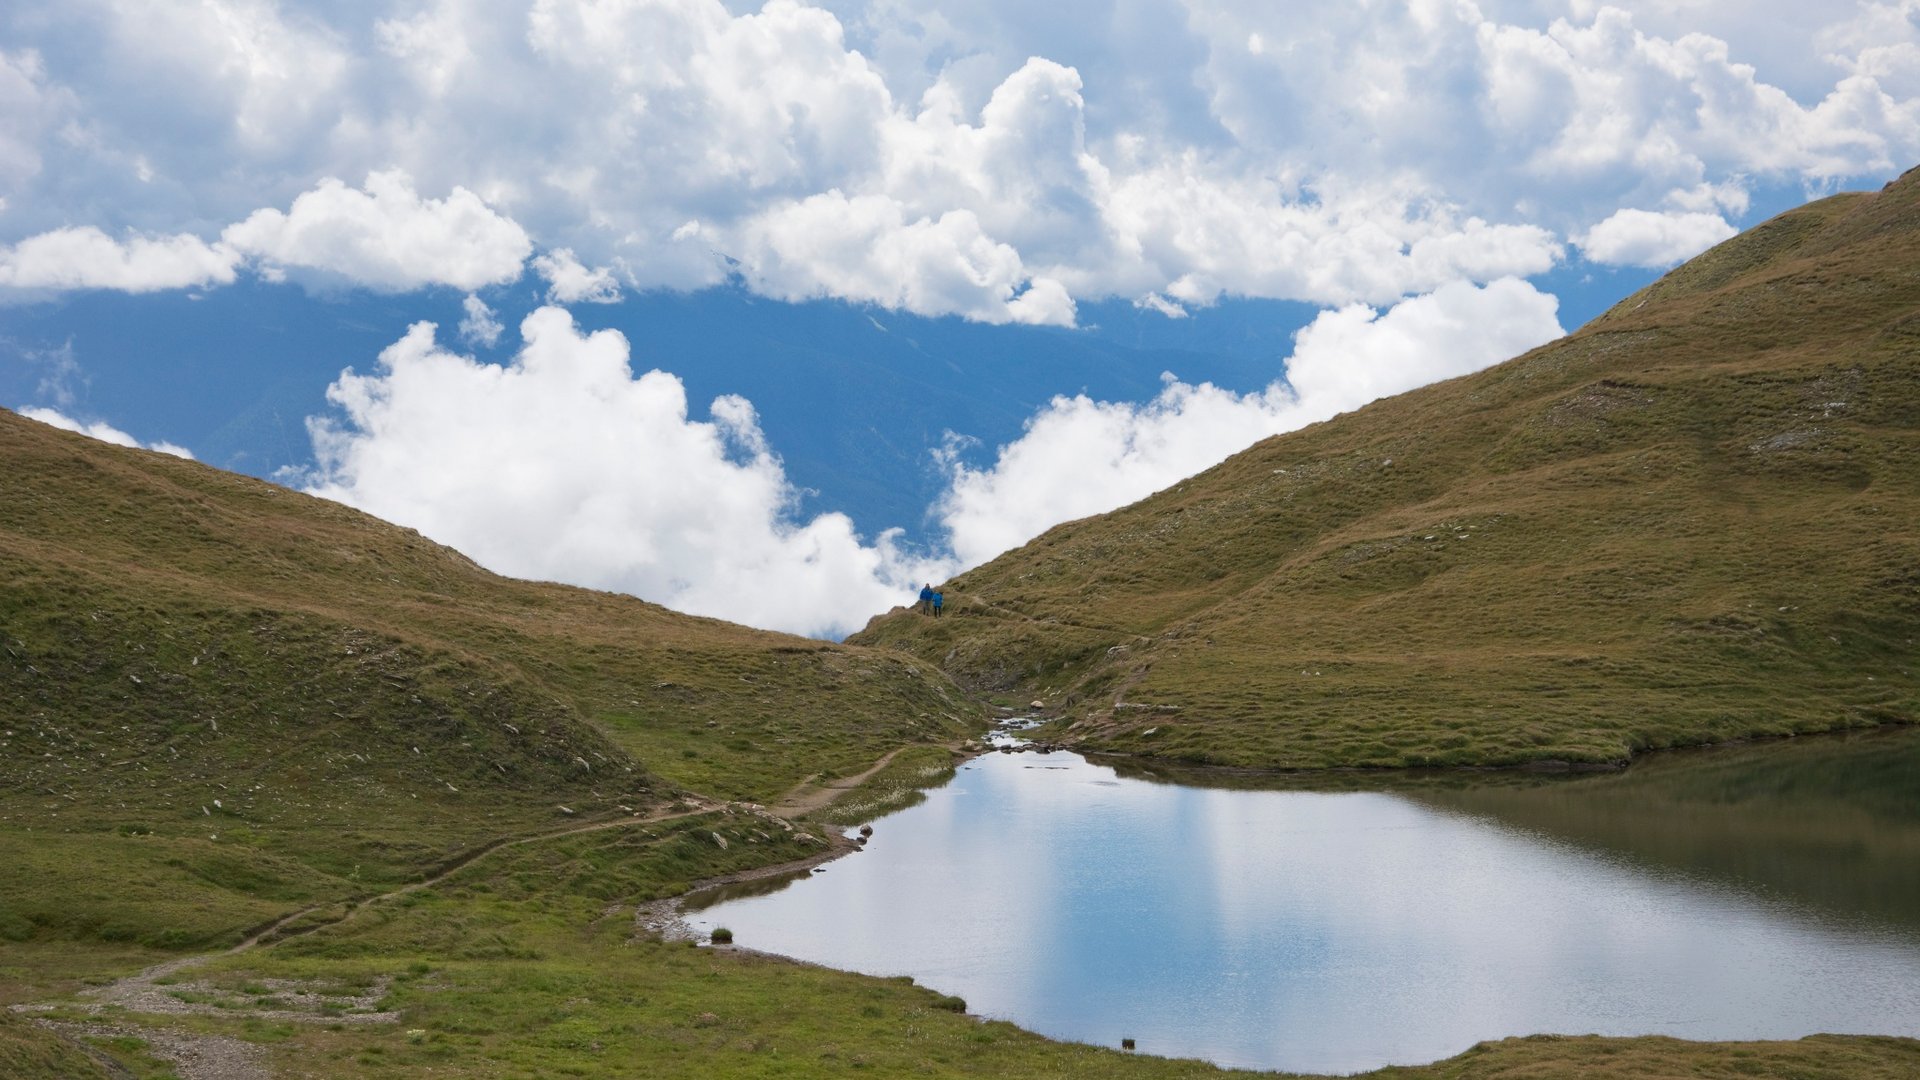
769, 312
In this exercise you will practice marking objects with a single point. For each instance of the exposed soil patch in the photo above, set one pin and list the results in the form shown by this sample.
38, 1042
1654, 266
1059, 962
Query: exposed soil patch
194, 1057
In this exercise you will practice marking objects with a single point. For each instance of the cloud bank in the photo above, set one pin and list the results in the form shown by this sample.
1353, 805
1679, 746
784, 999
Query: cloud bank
564, 465
386, 236
987, 160
383, 236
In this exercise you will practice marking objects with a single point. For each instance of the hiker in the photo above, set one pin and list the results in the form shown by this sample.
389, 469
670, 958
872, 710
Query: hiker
939, 601
926, 598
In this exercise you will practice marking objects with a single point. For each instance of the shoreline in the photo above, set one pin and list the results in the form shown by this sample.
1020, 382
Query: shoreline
1545, 768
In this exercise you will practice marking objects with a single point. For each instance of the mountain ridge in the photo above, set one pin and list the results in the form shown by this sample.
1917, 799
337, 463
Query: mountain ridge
216, 684
1692, 520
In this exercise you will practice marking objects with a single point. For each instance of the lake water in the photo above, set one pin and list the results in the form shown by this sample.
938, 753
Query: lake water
1771, 892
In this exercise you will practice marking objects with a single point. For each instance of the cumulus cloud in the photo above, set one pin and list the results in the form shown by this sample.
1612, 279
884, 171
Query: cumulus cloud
864, 249
565, 466
1653, 240
86, 258
103, 431
1079, 456
261, 74
992, 160
387, 236
569, 282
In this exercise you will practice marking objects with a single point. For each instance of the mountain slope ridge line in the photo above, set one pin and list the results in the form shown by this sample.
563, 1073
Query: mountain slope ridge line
1685, 523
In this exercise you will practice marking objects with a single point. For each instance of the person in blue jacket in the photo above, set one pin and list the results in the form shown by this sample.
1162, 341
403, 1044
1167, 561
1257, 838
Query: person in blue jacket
939, 601
926, 598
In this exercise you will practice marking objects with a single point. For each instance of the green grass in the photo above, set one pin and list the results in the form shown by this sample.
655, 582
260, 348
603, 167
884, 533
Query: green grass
28, 1052
226, 703
528, 964
903, 783
1697, 519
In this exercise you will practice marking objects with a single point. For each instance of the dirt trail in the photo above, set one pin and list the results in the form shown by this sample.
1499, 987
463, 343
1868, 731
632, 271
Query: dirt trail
806, 797
201, 1056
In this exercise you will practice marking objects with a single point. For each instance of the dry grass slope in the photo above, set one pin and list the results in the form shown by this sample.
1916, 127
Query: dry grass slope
1696, 519
224, 700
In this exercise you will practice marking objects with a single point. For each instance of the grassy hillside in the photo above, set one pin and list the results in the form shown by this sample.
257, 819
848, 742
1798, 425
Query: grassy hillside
1696, 519
223, 700
223, 703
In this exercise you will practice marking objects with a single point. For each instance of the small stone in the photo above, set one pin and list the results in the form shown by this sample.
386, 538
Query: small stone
1036, 703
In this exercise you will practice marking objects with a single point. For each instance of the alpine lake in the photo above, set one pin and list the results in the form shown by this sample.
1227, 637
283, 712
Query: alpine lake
1339, 923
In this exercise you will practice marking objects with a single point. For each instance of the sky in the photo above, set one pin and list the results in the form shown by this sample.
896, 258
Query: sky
464, 263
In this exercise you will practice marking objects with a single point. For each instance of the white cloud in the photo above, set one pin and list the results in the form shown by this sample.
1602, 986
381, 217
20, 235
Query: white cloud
865, 249
261, 73
1156, 302
979, 151
387, 236
1080, 457
29, 109
103, 431
1346, 358
1575, 114
1653, 240
569, 282
479, 325
86, 258
1201, 236
563, 465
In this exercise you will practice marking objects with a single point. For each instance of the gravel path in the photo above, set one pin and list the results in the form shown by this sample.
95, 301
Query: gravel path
194, 1057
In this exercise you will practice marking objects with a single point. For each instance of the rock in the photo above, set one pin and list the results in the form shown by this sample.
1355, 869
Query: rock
866, 830
1036, 704
720, 840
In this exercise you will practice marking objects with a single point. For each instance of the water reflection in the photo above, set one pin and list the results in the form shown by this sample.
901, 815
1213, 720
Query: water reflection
1832, 821
741, 890
1332, 932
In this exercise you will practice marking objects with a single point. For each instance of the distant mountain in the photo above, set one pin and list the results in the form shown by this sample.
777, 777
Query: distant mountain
242, 696
1696, 519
